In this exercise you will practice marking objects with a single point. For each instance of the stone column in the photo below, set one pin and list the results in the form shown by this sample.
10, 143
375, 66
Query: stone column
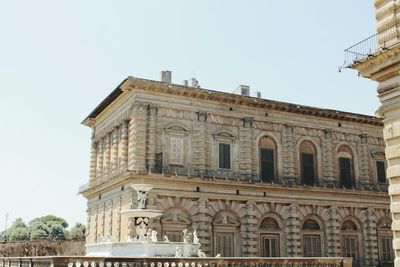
151, 137
289, 154
328, 168
293, 232
246, 149
363, 159
96, 225
110, 220
106, 161
99, 172
123, 147
118, 222
137, 138
333, 233
93, 161
249, 232
204, 229
114, 152
200, 142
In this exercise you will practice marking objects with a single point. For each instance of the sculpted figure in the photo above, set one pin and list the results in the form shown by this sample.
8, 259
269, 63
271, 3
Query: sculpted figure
141, 197
154, 236
195, 237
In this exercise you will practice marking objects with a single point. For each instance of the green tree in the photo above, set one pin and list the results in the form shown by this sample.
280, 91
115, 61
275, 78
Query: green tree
48, 227
78, 231
18, 231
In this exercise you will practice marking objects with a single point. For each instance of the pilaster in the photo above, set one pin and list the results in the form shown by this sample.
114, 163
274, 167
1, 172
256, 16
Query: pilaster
106, 161
123, 146
200, 142
203, 223
370, 239
137, 138
289, 154
245, 149
151, 137
99, 172
114, 152
364, 166
93, 161
328, 169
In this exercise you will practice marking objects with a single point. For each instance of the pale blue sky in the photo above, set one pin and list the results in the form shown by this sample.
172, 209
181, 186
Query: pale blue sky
59, 59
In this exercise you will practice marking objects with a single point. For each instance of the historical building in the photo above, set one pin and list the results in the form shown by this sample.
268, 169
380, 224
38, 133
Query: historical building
378, 58
255, 177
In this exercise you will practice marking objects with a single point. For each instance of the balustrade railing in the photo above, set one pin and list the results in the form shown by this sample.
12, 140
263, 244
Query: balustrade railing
372, 45
61, 261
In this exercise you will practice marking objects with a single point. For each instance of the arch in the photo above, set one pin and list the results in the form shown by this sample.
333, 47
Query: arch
308, 158
271, 236
311, 224
351, 239
267, 159
313, 237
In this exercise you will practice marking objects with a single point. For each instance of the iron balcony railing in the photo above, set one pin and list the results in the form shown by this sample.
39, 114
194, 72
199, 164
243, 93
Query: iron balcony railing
83, 261
372, 46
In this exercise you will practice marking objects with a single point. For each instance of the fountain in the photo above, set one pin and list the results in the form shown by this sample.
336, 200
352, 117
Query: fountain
145, 243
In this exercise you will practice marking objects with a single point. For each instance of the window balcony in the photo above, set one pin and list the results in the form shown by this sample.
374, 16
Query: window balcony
372, 46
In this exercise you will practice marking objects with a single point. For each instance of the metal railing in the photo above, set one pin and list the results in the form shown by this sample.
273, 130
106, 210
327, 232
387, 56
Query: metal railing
172, 262
372, 45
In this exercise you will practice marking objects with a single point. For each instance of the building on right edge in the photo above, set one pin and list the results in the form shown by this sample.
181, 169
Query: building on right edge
378, 58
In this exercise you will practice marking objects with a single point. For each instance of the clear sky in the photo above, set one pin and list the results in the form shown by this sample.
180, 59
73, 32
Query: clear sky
59, 59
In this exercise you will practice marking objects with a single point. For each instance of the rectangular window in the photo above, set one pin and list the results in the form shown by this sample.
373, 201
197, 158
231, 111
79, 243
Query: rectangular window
270, 246
345, 172
350, 248
224, 156
307, 168
312, 246
225, 244
174, 236
267, 165
386, 250
381, 171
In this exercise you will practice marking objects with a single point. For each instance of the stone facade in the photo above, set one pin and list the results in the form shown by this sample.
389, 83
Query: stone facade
255, 177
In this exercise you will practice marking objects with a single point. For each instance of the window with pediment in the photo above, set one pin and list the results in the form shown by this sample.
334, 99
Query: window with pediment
226, 234
224, 147
173, 222
177, 145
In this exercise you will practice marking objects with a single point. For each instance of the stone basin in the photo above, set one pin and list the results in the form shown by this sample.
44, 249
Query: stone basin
141, 249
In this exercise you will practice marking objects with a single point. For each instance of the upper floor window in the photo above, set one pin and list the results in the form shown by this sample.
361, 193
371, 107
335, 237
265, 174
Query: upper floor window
177, 146
345, 162
267, 159
381, 171
308, 163
224, 156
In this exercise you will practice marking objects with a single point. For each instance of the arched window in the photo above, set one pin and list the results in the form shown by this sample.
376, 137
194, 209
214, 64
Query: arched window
312, 238
345, 167
351, 236
226, 233
268, 168
385, 238
270, 235
308, 163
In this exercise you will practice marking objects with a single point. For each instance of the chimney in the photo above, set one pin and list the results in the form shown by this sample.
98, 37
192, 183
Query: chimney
166, 76
258, 94
193, 82
242, 90
185, 83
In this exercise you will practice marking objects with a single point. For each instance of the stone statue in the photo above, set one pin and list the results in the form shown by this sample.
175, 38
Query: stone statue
154, 236
141, 197
166, 239
178, 252
141, 228
195, 237
186, 236
201, 254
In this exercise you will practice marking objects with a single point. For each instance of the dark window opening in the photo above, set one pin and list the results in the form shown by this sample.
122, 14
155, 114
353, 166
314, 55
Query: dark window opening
381, 171
224, 156
346, 179
307, 168
267, 165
